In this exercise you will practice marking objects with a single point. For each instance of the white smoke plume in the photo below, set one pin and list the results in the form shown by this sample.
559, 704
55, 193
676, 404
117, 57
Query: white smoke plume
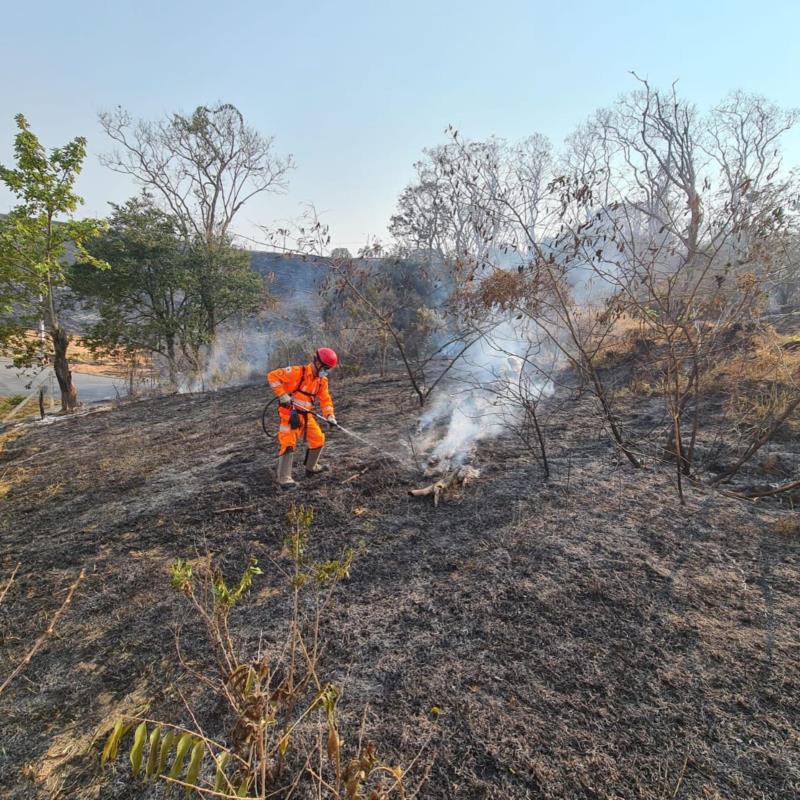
487, 394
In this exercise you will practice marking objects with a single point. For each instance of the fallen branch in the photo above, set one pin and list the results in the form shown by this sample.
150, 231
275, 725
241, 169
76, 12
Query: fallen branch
234, 508
9, 582
457, 479
435, 489
751, 494
48, 632
357, 475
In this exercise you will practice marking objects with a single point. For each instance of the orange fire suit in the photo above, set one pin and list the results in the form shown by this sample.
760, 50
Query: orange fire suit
303, 387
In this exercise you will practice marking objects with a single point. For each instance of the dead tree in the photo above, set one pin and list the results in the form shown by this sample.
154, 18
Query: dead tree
428, 352
682, 238
523, 214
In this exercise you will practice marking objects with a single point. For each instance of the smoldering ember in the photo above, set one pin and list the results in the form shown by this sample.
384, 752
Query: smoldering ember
503, 507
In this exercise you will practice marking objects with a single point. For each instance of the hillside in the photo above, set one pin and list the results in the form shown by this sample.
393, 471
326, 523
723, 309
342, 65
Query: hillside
581, 638
289, 275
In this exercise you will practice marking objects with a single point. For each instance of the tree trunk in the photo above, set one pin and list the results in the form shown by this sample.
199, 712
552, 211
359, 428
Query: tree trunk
69, 395
600, 393
531, 409
171, 363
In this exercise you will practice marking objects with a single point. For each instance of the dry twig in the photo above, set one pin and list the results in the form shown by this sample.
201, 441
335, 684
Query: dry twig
9, 582
753, 494
48, 632
234, 508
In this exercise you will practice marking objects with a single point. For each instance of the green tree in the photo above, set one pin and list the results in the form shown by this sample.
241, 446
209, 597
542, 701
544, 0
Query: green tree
35, 247
142, 301
202, 168
155, 297
223, 288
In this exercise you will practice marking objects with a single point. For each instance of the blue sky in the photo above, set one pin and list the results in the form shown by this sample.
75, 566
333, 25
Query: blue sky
356, 90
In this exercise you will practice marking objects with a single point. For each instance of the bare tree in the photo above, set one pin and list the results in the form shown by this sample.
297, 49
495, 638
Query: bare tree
691, 206
203, 167
673, 221
523, 254
428, 342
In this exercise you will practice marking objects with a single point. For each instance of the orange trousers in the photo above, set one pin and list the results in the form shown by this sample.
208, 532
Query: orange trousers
309, 430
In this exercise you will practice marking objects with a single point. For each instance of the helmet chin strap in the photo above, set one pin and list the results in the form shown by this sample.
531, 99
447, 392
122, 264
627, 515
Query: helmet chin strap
321, 368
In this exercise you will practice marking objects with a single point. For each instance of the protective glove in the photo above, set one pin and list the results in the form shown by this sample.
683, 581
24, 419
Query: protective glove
285, 400
331, 420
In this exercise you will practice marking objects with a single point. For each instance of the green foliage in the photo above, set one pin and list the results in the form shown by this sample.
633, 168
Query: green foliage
164, 750
159, 748
111, 748
296, 540
296, 544
219, 775
222, 287
182, 579
154, 753
184, 743
137, 750
166, 293
195, 762
228, 597
35, 242
203, 167
337, 569
142, 301
181, 576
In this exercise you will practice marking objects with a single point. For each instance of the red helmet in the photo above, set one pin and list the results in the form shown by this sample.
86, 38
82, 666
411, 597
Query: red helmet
327, 357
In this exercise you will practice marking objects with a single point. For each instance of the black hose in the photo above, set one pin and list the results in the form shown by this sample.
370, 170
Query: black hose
264, 417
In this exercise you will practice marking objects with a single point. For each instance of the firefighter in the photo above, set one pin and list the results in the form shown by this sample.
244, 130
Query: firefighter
297, 387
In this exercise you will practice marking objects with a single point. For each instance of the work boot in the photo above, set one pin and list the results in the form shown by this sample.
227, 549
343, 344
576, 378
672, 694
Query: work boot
312, 466
285, 480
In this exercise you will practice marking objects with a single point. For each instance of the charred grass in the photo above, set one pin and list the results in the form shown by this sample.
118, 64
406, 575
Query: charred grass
585, 637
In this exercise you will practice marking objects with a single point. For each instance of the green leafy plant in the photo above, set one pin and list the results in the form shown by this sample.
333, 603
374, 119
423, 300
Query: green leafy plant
37, 238
285, 735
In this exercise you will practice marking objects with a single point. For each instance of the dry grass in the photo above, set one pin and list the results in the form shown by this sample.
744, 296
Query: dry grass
82, 359
10, 478
766, 356
8, 436
11, 475
787, 526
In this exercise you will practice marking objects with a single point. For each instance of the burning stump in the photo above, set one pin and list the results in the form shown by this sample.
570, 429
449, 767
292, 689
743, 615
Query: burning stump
450, 483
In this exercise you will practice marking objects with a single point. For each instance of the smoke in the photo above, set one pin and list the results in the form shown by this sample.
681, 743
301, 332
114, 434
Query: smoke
244, 349
242, 353
502, 378
494, 385
237, 356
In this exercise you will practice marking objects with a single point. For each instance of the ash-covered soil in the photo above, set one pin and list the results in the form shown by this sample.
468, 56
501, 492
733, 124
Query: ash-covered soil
583, 638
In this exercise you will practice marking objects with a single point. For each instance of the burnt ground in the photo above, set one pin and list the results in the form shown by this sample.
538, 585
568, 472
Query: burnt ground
584, 638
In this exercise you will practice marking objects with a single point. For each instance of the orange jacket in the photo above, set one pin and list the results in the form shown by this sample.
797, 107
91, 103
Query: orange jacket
303, 386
